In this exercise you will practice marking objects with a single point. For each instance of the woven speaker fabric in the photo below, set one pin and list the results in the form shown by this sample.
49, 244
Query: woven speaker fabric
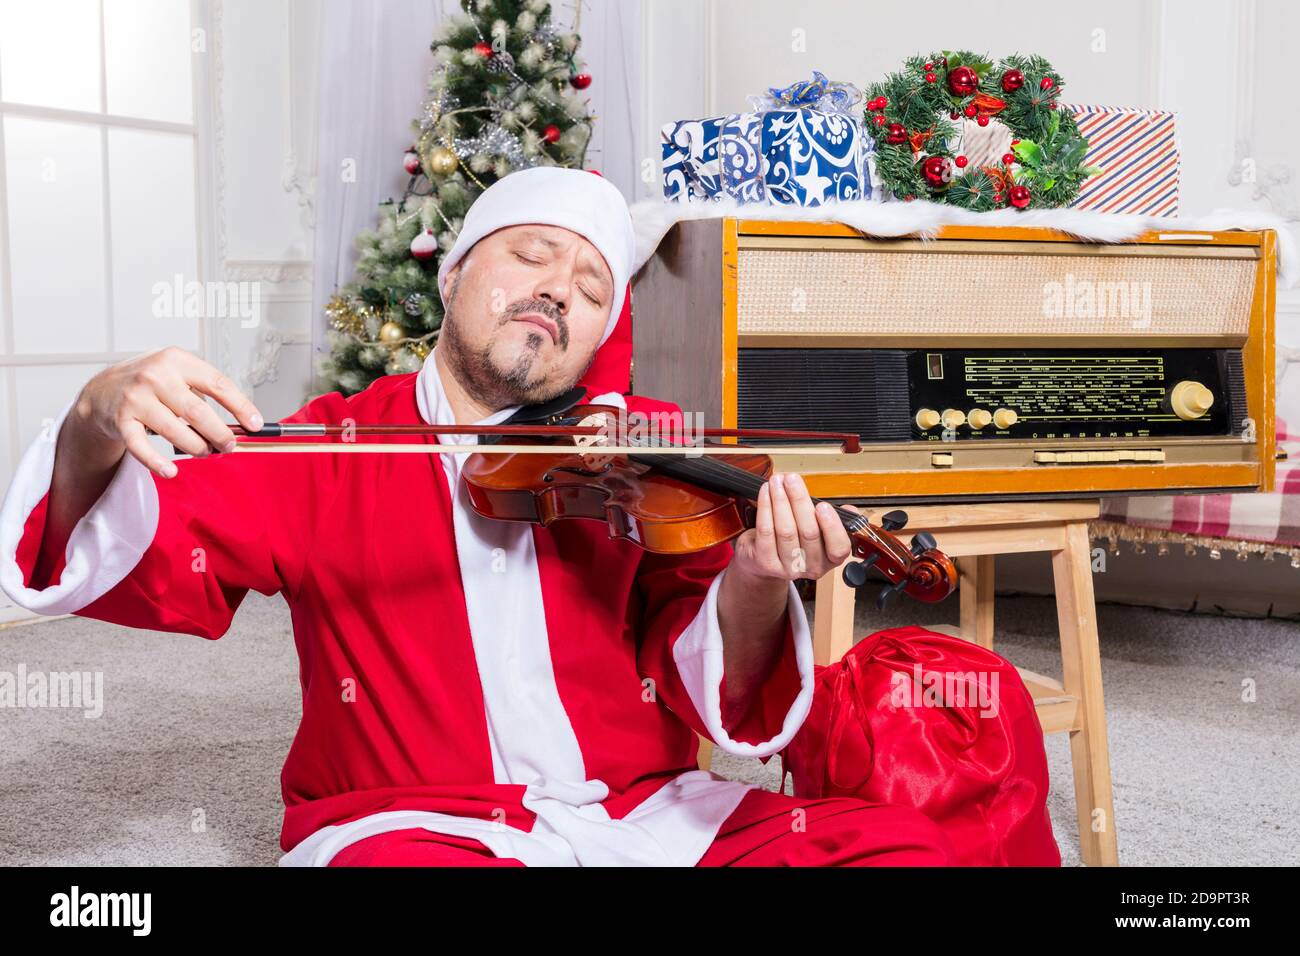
956, 293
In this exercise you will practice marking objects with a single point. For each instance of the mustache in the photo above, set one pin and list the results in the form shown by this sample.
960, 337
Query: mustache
542, 307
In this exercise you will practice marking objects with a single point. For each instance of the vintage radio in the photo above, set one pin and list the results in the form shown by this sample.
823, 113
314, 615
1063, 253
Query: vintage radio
989, 363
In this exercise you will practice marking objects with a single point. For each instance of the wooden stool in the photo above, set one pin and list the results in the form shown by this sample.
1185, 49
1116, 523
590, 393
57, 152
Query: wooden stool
973, 534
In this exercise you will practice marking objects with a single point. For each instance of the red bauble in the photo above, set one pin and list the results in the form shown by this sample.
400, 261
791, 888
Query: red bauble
1045, 83
897, 134
551, 134
961, 162
880, 119
580, 81
1012, 80
936, 171
1020, 196
411, 162
983, 121
971, 110
930, 78
963, 81
1008, 158
424, 245
483, 49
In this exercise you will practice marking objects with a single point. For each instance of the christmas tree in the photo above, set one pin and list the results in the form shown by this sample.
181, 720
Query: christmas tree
501, 98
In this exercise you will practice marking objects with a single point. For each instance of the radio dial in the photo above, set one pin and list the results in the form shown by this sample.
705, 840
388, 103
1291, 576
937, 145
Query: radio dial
1190, 400
953, 418
979, 418
1004, 418
926, 419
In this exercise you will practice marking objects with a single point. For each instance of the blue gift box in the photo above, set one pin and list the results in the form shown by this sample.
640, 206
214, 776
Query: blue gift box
799, 156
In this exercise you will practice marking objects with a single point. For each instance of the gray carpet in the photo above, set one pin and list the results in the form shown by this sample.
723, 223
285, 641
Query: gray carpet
183, 766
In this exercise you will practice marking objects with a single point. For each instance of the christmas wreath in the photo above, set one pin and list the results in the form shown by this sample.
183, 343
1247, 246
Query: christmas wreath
955, 128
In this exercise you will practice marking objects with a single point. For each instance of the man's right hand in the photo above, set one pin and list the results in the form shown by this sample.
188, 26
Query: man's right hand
161, 392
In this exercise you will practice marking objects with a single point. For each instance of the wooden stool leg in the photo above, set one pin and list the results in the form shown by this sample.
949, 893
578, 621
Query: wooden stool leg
833, 620
975, 592
1081, 664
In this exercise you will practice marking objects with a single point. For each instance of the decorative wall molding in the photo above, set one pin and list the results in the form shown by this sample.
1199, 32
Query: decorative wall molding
268, 270
264, 366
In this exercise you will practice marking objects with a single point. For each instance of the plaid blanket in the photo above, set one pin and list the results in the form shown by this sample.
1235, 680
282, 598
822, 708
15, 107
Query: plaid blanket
1272, 518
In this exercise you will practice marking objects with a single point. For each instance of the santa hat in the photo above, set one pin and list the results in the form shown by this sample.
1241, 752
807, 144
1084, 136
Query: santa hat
573, 199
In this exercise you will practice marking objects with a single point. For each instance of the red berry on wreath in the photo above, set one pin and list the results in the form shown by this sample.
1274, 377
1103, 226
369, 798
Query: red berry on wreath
997, 197
1020, 196
1008, 159
909, 198
483, 49
580, 81
883, 102
1045, 83
962, 81
1014, 141
961, 162
1051, 105
930, 78
1012, 80
880, 119
929, 65
551, 134
954, 115
971, 110
983, 121
936, 171
897, 134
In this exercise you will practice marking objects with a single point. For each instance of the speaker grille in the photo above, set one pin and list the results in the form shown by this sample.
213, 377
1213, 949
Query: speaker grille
815, 291
841, 390
1235, 379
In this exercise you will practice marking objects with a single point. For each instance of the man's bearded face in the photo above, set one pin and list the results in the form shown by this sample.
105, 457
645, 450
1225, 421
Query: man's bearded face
526, 307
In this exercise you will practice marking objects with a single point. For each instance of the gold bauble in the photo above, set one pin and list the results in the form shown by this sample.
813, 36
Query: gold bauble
391, 333
442, 161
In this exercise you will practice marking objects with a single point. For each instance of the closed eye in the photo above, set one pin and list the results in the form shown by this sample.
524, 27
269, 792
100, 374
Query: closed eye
528, 259
590, 298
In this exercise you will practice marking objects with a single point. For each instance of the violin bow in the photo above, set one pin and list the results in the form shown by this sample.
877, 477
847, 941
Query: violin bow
246, 440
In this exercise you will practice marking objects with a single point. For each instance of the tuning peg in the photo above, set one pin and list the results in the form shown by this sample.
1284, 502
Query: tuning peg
922, 542
855, 572
893, 520
887, 593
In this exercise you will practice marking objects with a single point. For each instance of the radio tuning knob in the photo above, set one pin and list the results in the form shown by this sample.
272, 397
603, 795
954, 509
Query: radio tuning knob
978, 418
1004, 418
1190, 400
926, 419
953, 418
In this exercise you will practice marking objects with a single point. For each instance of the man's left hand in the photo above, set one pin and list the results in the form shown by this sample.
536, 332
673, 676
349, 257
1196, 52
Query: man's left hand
791, 538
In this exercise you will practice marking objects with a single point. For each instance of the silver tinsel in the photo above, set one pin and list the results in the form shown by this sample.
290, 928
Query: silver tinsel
436, 106
494, 141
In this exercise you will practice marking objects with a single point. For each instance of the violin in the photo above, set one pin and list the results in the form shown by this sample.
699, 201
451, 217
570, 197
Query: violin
679, 504
665, 498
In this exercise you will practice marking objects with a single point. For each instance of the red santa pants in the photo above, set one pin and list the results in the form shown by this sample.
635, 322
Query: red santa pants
765, 829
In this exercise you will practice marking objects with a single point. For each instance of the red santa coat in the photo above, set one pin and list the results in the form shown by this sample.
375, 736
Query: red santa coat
537, 689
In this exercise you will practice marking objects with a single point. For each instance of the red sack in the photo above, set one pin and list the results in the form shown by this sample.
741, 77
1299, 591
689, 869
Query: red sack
923, 720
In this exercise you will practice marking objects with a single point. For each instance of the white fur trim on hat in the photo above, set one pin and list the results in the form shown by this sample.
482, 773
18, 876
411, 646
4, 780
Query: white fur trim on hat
572, 199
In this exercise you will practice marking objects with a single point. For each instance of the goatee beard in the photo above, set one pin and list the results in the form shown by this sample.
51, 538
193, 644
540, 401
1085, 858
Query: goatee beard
485, 382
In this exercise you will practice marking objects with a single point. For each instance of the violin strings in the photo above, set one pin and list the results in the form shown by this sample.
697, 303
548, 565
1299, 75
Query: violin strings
723, 476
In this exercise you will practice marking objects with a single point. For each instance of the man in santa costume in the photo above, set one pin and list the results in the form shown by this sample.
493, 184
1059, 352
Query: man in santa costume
473, 691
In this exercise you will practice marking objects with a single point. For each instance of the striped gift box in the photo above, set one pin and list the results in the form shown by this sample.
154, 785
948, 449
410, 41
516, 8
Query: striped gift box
1137, 151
